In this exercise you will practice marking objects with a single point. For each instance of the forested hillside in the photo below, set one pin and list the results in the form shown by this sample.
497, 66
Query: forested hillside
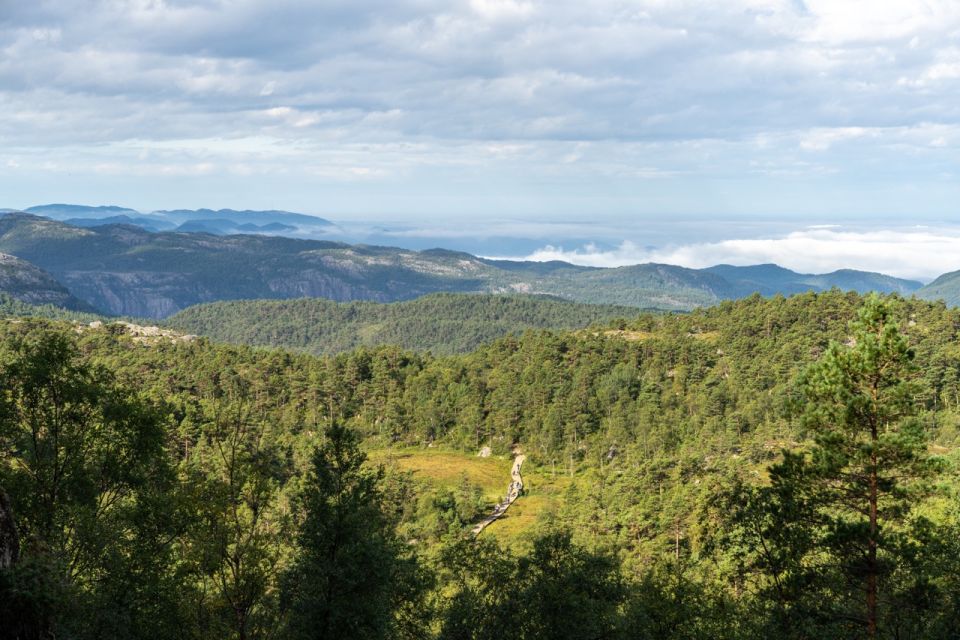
27, 283
698, 476
11, 307
443, 323
946, 288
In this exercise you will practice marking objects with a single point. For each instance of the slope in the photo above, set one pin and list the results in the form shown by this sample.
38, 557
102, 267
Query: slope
769, 279
946, 288
442, 323
31, 285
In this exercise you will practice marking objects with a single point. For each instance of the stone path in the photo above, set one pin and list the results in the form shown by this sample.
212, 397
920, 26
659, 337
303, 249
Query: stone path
513, 492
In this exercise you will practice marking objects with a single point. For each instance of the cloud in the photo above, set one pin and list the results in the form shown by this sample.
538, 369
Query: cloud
914, 252
601, 97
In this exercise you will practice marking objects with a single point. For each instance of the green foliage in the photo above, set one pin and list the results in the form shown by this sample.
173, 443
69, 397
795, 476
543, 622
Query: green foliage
239, 540
442, 323
558, 591
11, 307
834, 525
84, 466
350, 574
200, 492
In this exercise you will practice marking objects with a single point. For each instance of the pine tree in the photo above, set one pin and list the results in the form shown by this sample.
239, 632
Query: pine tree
351, 574
832, 525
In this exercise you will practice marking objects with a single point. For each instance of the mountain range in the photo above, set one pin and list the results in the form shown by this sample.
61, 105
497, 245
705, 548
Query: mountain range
220, 222
124, 269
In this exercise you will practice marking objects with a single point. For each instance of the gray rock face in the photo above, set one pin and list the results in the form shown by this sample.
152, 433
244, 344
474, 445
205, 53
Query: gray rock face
313, 283
28, 283
161, 294
145, 295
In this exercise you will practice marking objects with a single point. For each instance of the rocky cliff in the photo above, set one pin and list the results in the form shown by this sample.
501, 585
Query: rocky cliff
28, 283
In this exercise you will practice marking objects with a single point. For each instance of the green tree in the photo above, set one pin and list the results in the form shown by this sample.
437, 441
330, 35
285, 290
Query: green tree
85, 464
352, 578
238, 537
478, 593
834, 523
558, 591
568, 592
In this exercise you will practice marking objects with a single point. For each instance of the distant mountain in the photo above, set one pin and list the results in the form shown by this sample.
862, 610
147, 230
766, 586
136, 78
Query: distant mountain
222, 227
443, 323
67, 211
26, 283
768, 279
272, 227
125, 270
216, 226
150, 224
865, 281
181, 216
218, 222
946, 288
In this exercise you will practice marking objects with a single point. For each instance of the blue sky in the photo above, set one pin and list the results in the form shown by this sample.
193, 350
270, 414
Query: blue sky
469, 113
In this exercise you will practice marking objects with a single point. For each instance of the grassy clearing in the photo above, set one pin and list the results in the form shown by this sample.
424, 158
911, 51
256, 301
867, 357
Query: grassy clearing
708, 336
516, 528
445, 468
630, 336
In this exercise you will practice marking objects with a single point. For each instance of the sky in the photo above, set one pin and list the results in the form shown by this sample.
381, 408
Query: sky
673, 126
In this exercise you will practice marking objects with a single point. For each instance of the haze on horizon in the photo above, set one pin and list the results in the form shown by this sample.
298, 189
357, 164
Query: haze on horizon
684, 131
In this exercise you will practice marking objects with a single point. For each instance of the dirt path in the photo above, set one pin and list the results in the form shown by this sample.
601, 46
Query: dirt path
513, 492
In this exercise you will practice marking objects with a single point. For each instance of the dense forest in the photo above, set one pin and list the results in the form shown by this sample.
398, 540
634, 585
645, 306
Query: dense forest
779, 467
443, 323
11, 307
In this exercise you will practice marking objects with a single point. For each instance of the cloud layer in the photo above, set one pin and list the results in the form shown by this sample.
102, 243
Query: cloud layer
440, 108
916, 253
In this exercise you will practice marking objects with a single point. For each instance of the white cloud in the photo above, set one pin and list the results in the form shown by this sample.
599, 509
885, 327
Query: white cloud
851, 21
915, 252
564, 105
823, 139
500, 9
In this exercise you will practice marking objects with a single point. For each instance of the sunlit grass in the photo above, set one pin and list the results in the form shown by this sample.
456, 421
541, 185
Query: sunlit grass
543, 492
445, 468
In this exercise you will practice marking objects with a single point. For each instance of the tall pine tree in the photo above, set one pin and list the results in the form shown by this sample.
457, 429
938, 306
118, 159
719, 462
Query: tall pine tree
833, 526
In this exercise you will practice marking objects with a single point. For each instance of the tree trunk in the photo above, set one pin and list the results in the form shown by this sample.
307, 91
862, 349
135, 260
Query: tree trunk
676, 549
9, 539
